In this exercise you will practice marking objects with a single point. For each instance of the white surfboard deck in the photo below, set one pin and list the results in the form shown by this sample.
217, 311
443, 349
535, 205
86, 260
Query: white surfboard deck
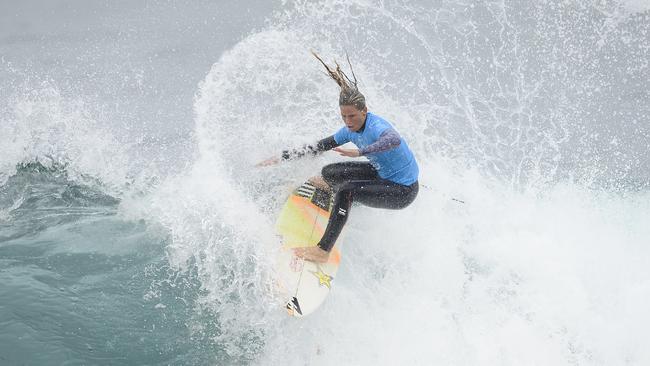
301, 223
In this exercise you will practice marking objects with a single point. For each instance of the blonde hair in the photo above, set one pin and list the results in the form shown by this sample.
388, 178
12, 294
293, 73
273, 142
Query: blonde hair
350, 94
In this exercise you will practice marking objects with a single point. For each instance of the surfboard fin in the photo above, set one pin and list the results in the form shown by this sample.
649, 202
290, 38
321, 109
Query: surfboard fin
293, 306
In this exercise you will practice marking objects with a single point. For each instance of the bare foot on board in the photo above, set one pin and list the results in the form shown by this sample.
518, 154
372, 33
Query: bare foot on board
319, 182
312, 254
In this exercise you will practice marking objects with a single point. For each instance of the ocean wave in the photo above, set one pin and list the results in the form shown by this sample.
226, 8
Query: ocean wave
526, 243
40, 125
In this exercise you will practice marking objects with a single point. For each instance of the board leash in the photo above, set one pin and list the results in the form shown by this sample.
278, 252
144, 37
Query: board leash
452, 198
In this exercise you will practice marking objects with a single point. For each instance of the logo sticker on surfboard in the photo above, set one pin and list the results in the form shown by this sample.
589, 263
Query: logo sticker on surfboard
296, 264
323, 278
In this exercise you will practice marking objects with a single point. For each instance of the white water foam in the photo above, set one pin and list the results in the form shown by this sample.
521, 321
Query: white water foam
506, 278
40, 124
532, 269
636, 6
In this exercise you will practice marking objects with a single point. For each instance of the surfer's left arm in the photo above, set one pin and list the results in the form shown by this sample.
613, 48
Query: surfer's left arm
388, 140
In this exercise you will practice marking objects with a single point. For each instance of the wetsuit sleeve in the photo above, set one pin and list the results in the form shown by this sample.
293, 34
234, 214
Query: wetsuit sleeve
389, 139
325, 144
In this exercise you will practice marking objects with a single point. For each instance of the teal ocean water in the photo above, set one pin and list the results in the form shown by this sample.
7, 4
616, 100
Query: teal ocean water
136, 230
82, 285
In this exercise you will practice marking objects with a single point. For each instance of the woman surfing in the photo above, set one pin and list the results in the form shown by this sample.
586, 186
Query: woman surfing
389, 179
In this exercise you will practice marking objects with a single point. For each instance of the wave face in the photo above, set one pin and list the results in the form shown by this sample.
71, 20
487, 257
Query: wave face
153, 241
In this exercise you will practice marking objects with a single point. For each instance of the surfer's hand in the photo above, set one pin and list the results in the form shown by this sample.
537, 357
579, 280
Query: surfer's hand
268, 162
353, 153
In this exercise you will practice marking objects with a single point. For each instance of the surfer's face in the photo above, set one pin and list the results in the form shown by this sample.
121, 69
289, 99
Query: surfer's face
353, 117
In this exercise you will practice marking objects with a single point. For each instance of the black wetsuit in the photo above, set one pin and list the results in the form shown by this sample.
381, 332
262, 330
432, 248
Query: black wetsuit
357, 182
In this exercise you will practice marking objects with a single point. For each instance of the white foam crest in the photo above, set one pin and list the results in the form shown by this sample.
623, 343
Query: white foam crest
218, 231
504, 279
636, 6
263, 96
42, 125
473, 283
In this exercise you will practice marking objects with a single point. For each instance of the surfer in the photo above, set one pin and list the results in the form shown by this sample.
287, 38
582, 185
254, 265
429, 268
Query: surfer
389, 179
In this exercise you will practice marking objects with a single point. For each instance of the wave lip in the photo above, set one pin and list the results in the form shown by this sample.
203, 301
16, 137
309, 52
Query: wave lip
41, 125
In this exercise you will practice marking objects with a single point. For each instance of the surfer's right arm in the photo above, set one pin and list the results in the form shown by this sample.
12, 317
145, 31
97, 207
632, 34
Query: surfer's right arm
325, 144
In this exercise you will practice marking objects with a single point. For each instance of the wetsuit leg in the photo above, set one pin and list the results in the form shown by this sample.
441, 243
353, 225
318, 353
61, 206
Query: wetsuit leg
374, 192
338, 173
385, 194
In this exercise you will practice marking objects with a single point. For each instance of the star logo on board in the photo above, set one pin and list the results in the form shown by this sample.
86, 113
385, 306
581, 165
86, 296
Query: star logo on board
323, 278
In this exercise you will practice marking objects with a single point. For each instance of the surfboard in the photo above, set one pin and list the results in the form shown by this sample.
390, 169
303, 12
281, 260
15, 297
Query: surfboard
301, 223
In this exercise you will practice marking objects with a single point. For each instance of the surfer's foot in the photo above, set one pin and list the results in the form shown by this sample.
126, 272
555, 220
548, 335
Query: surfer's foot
312, 254
319, 182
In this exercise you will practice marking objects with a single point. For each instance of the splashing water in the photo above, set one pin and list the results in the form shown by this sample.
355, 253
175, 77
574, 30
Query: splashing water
535, 116
515, 94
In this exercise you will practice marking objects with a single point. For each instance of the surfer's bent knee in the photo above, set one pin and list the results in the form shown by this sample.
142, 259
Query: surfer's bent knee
329, 173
